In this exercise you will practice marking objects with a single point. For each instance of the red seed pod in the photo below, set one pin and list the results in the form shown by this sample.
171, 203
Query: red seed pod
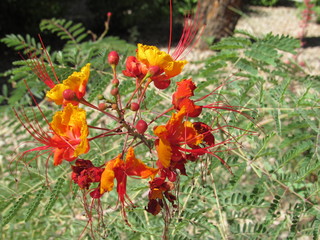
113, 58
114, 106
69, 95
141, 126
302, 64
134, 106
102, 106
115, 82
114, 91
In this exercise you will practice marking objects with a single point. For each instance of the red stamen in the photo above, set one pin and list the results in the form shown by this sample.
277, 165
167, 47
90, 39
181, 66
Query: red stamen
39, 68
170, 25
49, 59
191, 27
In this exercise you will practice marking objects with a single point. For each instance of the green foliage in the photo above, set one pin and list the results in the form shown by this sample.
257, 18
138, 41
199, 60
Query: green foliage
272, 193
18, 43
66, 30
75, 53
35, 203
54, 195
14, 209
186, 6
268, 3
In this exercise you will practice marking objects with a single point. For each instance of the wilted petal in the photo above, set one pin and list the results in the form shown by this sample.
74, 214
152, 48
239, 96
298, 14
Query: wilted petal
153, 207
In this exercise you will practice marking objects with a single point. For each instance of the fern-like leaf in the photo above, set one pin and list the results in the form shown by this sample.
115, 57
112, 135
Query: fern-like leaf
19, 43
65, 30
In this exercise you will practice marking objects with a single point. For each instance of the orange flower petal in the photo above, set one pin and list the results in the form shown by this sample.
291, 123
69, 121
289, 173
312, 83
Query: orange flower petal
185, 88
155, 193
181, 97
135, 167
107, 181
108, 175
190, 134
58, 156
175, 121
164, 152
192, 110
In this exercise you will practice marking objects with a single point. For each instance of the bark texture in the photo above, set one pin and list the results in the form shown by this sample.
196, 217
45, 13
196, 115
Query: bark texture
220, 18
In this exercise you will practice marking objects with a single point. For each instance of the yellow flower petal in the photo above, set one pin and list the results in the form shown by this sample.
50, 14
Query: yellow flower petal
71, 124
77, 82
55, 94
152, 56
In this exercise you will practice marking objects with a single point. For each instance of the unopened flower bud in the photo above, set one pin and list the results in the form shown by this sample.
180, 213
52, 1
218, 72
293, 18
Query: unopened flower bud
134, 106
102, 106
141, 126
114, 91
69, 95
113, 58
114, 106
109, 14
100, 97
115, 82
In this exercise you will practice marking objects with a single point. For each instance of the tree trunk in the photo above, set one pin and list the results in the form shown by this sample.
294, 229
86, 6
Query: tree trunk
219, 17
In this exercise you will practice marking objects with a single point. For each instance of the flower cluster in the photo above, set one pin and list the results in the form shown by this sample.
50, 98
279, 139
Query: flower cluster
178, 141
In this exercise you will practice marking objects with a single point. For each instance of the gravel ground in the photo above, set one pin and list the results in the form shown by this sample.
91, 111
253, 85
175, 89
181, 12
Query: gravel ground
286, 21
279, 20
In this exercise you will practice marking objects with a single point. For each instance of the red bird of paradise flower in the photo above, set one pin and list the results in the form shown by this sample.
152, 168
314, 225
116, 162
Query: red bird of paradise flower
161, 66
67, 138
159, 190
84, 173
119, 169
179, 141
185, 90
71, 90
173, 135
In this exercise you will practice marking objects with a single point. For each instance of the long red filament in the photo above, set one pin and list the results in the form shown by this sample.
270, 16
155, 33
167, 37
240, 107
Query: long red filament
191, 28
170, 26
49, 59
